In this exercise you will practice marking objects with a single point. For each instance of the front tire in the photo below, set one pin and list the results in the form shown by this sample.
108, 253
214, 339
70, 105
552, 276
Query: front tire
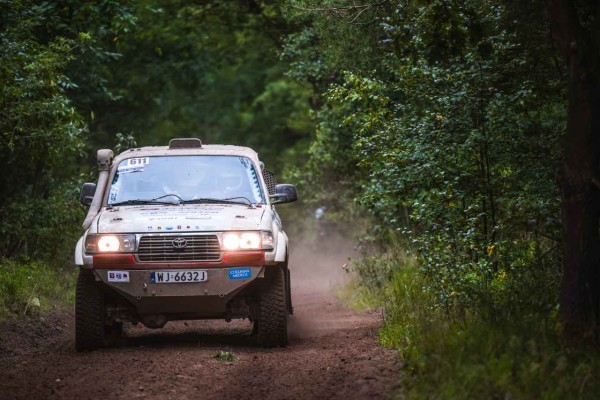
89, 313
271, 324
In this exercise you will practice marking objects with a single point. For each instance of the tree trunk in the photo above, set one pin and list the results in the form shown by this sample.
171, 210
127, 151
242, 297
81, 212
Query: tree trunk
576, 30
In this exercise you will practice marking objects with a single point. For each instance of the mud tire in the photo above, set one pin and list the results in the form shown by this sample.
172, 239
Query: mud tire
271, 323
90, 329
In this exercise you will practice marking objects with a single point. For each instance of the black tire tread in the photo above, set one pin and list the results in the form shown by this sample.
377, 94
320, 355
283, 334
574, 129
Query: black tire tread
273, 311
89, 313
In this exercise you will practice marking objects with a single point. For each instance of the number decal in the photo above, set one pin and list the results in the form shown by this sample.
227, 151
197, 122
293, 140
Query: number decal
138, 161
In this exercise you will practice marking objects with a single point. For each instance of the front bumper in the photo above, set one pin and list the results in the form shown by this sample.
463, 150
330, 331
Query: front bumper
207, 299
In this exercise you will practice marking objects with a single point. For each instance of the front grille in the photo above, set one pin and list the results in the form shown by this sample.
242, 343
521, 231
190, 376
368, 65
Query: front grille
161, 248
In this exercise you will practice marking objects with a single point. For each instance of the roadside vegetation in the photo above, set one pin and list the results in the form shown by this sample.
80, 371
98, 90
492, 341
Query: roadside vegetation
439, 129
29, 287
519, 352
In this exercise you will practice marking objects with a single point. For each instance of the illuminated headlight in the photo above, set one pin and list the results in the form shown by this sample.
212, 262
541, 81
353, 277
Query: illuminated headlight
231, 241
247, 241
109, 243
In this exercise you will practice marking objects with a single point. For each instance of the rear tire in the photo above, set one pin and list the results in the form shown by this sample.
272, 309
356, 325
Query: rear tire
89, 313
271, 323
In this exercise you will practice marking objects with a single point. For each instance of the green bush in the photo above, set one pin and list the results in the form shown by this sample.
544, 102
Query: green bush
457, 354
28, 287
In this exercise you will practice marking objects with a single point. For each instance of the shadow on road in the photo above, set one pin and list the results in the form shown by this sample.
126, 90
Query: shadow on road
186, 335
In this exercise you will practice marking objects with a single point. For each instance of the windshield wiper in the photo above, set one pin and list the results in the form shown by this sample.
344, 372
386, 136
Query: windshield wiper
139, 201
169, 195
155, 200
230, 200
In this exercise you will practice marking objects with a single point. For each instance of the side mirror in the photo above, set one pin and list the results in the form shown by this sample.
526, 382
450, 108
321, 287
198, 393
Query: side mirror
284, 193
87, 193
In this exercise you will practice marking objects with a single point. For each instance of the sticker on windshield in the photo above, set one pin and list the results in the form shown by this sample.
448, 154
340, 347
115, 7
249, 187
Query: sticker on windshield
133, 165
112, 197
140, 161
130, 169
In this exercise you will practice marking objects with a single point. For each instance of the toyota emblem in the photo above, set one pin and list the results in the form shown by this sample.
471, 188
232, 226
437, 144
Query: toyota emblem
179, 243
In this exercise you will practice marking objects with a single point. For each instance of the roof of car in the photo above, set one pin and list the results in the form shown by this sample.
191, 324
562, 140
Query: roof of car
206, 149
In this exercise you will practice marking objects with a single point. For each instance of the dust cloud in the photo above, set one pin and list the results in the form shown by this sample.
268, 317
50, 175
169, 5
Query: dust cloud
318, 269
321, 265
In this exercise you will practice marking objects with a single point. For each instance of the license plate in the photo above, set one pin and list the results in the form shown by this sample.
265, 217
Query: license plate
187, 276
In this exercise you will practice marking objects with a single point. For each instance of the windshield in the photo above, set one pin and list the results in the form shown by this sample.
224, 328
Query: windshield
185, 178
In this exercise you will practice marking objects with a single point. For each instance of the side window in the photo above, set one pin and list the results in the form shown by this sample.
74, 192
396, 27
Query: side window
270, 180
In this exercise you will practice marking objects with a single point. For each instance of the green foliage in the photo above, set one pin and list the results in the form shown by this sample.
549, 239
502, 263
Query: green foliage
41, 133
124, 142
209, 70
51, 66
28, 287
521, 355
431, 132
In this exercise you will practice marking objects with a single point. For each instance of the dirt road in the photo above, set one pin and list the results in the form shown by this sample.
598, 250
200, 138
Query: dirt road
333, 354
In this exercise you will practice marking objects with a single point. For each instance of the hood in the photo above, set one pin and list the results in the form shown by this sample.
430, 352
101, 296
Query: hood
185, 218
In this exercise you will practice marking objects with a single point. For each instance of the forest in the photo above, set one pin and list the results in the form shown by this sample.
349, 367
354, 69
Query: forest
457, 142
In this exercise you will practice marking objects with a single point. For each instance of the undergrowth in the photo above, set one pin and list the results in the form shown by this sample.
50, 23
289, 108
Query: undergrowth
466, 354
28, 287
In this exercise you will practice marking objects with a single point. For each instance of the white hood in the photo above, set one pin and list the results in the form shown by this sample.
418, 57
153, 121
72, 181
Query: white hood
190, 218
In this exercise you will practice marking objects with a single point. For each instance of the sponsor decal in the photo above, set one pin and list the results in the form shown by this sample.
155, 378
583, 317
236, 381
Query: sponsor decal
133, 165
130, 169
113, 194
240, 273
138, 161
118, 276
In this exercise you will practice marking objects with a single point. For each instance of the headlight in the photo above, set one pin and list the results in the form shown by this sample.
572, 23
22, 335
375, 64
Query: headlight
247, 241
109, 243
231, 241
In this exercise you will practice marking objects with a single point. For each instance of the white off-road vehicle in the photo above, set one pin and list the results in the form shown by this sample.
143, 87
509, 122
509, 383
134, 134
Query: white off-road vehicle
187, 231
